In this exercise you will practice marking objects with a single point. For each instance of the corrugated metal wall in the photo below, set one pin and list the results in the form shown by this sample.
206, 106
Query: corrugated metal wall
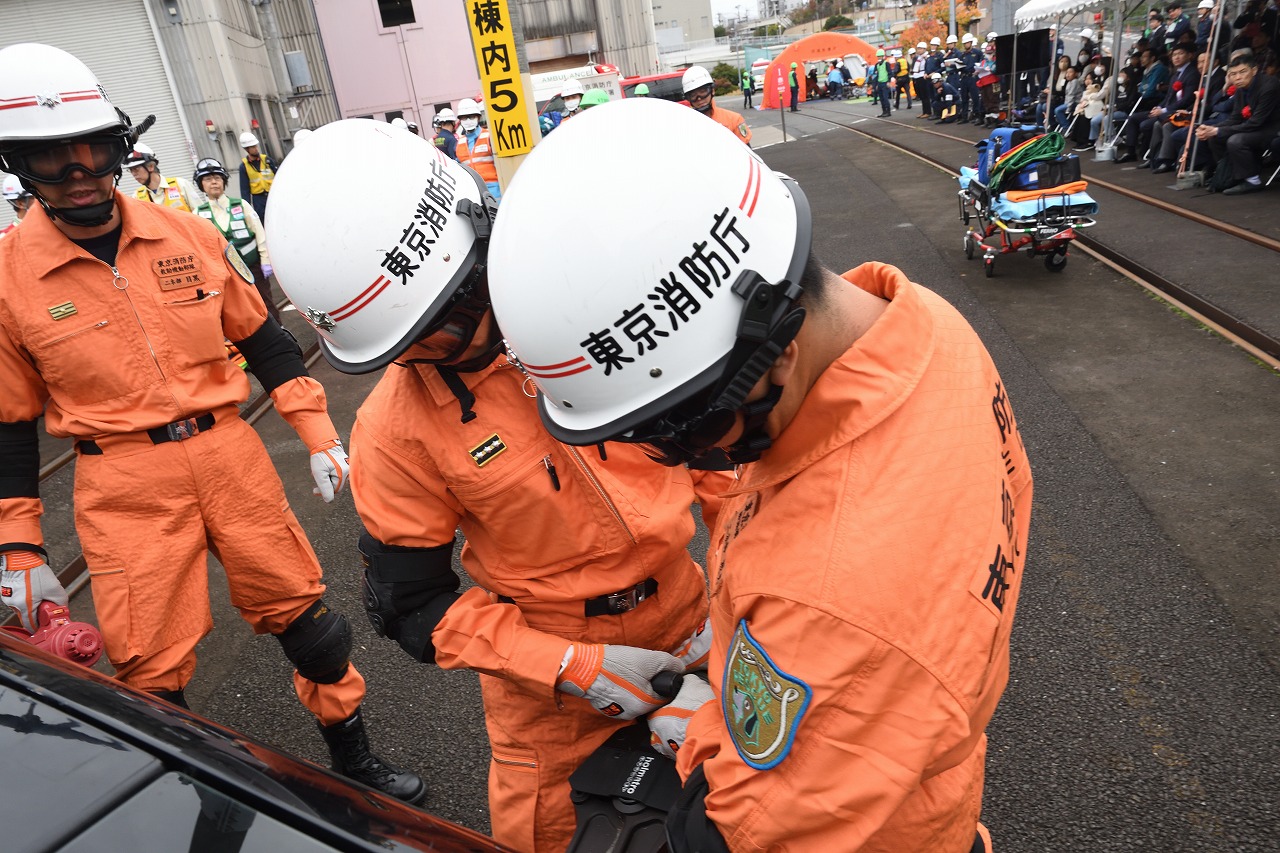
115, 40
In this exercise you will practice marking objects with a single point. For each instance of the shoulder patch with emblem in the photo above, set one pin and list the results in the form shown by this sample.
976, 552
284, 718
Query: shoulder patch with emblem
742, 130
762, 704
237, 263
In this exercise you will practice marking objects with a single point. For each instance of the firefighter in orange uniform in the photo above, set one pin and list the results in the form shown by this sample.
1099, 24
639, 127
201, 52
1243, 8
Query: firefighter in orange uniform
866, 566
112, 319
585, 586
699, 90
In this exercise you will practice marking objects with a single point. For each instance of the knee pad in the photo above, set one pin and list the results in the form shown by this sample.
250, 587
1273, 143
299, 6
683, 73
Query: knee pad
318, 643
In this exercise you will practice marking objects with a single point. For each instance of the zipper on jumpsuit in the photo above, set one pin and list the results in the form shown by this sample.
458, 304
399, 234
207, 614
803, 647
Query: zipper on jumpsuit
604, 496
116, 278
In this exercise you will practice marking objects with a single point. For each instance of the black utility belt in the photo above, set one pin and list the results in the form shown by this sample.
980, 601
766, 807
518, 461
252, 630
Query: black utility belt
176, 431
614, 603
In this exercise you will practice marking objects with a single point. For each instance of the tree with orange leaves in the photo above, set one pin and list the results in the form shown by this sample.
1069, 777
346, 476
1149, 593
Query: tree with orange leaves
932, 20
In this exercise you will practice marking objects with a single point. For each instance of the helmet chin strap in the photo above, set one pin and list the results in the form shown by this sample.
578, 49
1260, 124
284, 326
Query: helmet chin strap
754, 440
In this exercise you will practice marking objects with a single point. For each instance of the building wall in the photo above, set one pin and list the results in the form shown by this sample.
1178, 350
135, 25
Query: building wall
692, 16
409, 68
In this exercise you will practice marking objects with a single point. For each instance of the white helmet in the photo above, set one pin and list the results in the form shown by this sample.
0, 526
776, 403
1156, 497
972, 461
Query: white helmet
301, 134
571, 88
695, 77
377, 279
12, 189
446, 114
992, 36
922, 46
49, 94
969, 37
248, 140
910, 51
1086, 33
951, 39
694, 289
468, 107
140, 156
935, 41
400, 123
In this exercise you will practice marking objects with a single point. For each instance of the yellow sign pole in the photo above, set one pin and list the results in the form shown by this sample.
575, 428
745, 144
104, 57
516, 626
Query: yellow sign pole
497, 35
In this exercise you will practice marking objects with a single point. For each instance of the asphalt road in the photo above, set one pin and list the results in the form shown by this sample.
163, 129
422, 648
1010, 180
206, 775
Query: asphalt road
1142, 714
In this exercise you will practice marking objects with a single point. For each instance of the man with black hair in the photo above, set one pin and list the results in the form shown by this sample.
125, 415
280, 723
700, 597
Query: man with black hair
1255, 120
113, 316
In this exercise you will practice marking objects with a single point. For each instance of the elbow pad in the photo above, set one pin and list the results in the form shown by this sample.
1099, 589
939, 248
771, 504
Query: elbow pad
407, 591
689, 830
19, 460
273, 355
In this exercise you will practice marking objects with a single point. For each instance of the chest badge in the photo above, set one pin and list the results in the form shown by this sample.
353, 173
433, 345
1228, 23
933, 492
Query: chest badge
63, 311
762, 704
484, 453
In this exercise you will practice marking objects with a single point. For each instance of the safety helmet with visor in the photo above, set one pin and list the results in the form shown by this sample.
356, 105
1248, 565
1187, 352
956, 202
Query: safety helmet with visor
698, 87
209, 166
404, 267
700, 296
58, 120
141, 155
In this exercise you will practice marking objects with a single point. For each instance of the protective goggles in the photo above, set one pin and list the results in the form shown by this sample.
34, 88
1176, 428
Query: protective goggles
96, 156
699, 94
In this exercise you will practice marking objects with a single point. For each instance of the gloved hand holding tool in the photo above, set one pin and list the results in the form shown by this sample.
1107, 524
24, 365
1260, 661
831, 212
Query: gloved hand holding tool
616, 680
329, 468
25, 581
667, 726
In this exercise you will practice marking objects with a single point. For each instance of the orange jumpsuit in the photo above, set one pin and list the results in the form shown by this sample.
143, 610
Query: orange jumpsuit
864, 576
107, 354
546, 525
731, 120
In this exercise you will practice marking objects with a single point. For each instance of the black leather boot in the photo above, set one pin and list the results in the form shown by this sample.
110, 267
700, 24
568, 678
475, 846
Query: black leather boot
349, 748
173, 697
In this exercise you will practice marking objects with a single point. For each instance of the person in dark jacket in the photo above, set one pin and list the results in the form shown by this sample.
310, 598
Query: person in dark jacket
1255, 120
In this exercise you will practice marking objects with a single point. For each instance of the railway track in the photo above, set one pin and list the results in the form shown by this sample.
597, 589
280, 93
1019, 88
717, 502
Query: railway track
73, 574
1239, 330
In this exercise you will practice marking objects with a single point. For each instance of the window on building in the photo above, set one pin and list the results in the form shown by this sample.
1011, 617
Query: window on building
394, 114
396, 13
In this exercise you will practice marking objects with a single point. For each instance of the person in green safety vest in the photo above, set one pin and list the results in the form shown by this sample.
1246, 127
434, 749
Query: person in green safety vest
793, 80
239, 224
748, 88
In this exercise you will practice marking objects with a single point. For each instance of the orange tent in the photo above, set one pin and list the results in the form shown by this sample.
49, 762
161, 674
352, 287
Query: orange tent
820, 47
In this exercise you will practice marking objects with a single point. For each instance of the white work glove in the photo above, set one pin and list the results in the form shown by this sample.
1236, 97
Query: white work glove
693, 652
267, 271
668, 726
614, 679
329, 468
25, 581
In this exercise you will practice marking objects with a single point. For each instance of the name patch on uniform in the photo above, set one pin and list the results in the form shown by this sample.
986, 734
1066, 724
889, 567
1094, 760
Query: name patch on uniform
237, 263
484, 453
762, 704
63, 311
176, 265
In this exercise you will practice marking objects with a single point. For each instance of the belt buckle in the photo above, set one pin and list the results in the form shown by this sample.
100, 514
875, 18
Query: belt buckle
623, 602
182, 430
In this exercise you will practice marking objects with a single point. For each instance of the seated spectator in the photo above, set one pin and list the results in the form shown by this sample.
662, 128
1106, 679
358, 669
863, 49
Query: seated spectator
1218, 113
1092, 105
1137, 134
1126, 96
1257, 26
1238, 143
1162, 154
1072, 93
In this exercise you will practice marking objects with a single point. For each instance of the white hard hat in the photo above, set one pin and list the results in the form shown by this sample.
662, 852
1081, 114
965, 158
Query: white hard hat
992, 36
935, 41
446, 114
248, 140
951, 39
664, 329
468, 107
969, 37
935, 77
301, 134
571, 87
1087, 33
139, 156
372, 281
49, 94
1205, 4
400, 123
12, 189
910, 50
695, 77
922, 46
